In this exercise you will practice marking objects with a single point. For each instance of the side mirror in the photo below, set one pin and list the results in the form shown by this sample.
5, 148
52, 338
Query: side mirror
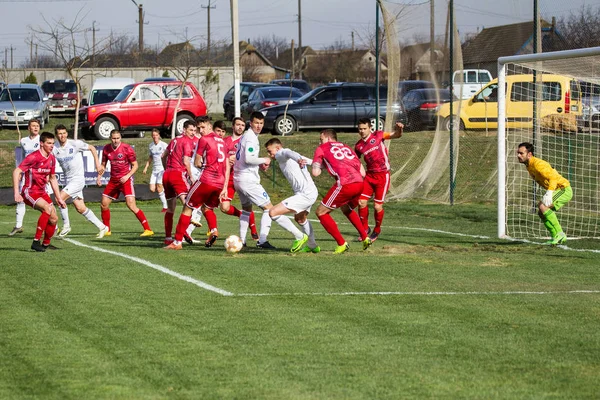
84, 102
45, 98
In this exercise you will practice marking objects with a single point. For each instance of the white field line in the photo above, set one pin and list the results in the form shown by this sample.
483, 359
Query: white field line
507, 293
157, 267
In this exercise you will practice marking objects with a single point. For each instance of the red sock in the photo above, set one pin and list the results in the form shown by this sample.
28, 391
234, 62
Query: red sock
332, 228
378, 220
48, 233
252, 223
142, 218
363, 213
233, 211
355, 220
106, 217
211, 218
168, 224
182, 224
41, 225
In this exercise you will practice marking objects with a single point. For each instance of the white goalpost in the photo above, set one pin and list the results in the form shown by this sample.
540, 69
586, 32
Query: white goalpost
544, 99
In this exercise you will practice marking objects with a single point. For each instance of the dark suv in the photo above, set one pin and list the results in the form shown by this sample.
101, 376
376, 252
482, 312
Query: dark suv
246, 89
337, 105
297, 83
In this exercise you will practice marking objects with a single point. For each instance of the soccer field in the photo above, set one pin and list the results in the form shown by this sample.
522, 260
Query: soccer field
436, 308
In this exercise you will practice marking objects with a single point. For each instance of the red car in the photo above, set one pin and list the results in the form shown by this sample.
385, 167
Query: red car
143, 106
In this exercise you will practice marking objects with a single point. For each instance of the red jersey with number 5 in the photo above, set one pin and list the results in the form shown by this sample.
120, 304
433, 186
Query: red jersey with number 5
341, 162
213, 150
374, 152
37, 168
120, 159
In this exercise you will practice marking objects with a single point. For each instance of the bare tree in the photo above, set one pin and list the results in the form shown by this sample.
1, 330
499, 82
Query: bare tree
72, 49
581, 29
270, 46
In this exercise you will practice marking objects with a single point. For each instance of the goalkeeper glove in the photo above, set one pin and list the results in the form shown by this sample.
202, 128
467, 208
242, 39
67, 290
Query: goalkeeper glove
547, 199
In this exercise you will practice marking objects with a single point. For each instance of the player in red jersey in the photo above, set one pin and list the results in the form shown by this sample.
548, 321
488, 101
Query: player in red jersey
123, 165
211, 158
377, 180
38, 169
343, 164
177, 177
238, 128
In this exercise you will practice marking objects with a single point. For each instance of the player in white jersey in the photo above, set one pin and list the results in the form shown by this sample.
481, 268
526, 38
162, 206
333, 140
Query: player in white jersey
247, 184
29, 144
68, 154
155, 152
293, 167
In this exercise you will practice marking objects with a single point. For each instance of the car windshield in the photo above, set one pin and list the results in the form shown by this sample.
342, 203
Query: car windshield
101, 96
124, 93
282, 93
308, 95
20, 95
59, 87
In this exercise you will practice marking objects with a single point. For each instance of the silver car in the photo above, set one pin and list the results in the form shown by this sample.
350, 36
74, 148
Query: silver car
29, 102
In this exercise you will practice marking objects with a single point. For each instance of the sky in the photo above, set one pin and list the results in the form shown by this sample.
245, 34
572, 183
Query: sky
324, 22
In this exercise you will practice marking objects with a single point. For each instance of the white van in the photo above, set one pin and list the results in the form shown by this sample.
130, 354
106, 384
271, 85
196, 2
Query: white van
473, 80
105, 90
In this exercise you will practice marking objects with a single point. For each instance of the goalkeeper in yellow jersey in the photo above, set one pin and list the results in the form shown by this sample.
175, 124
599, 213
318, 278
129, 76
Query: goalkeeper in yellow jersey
558, 191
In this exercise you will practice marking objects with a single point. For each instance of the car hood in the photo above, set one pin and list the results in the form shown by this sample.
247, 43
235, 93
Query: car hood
20, 105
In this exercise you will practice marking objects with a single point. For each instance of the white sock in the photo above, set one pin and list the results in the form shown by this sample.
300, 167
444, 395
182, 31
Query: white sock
265, 226
64, 213
244, 225
163, 199
287, 224
190, 229
197, 214
90, 216
20, 214
307, 228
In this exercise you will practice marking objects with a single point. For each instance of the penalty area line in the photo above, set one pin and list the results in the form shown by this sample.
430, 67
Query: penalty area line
157, 267
505, 293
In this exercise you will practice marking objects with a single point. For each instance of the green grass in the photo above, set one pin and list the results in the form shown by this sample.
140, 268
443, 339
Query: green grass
79, 323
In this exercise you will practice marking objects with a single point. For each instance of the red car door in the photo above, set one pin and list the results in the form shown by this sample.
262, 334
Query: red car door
145, 107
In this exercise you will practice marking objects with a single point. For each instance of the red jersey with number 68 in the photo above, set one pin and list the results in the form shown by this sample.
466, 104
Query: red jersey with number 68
37, 168
213, 150
341, 162
120, 159
374, 152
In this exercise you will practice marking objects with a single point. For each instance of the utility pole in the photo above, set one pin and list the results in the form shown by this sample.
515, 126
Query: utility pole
93, 44
300, 38
208, 7
11, 56
293, 59
352, 35
31, 51
36, 56
6, 57
431, 42
140, 27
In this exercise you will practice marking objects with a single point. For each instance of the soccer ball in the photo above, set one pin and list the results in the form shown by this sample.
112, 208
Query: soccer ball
233, 244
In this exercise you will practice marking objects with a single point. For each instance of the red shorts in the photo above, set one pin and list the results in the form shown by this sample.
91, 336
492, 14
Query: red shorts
115, 188
175, 183
339, 196
30, 198
230, 192
377, 183
203, 194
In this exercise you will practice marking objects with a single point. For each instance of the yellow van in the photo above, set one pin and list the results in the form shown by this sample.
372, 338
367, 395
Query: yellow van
560, 104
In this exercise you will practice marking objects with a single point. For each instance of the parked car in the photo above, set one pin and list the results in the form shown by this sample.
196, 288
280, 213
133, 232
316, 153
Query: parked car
29, 101
62, 95
105, 90
589, 120
246, 89
420, 107
300, 84
268, 96
470, 81
406, 86
338, 105
143, 106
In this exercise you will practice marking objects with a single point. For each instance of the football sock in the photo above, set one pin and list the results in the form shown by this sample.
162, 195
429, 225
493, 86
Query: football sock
163, 198
233, 211
90, 216
20, 214
331, 227
355, 220
211, 218
307, 228
550, 228
182, 224
142, 218
378, 220
168, 224
49, 232
64, 213
288, 225
190, 229
363, 213
550, 216
41, 225
105, 214
252, 223
244, 223
197, 214
265, 226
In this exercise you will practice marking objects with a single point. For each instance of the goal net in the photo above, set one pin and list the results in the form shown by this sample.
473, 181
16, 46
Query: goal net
545, 99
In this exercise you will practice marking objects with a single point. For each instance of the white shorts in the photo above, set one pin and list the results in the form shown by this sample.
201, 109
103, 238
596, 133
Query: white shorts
301, 202
156, 178
74, 188
251, 193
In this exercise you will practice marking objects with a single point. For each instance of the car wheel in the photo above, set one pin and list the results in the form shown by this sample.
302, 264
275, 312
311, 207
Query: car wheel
104, 127
181, 119
414, 123
378, 125
446, 124
285, 125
